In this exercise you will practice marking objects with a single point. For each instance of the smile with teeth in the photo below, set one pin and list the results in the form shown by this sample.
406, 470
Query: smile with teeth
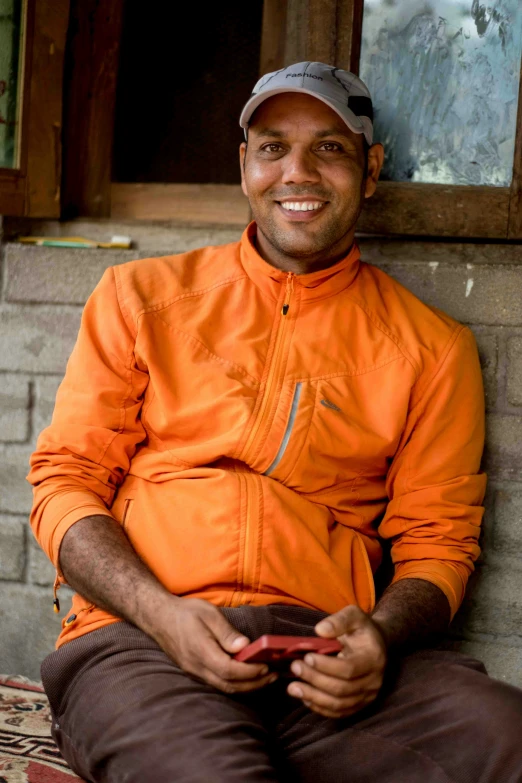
302, 206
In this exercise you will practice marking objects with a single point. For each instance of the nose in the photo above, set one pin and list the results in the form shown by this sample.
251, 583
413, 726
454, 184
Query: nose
299, 167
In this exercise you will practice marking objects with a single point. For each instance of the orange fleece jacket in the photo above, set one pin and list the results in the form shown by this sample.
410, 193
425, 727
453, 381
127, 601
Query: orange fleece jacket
257, 433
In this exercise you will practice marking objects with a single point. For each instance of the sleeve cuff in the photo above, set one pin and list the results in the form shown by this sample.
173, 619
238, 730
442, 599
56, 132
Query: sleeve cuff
86, 509
448, 577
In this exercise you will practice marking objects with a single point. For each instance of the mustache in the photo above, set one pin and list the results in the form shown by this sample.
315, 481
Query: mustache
281, 195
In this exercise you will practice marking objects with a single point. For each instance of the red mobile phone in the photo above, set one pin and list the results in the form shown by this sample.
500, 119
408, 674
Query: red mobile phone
280, 649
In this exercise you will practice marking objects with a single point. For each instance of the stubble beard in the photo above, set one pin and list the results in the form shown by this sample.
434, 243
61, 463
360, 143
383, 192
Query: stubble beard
304, 245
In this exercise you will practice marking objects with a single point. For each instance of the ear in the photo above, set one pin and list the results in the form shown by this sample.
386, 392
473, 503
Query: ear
375, 161
242, 156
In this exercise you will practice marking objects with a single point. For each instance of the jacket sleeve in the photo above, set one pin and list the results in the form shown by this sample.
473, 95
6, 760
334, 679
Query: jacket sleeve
434, 484
84, 455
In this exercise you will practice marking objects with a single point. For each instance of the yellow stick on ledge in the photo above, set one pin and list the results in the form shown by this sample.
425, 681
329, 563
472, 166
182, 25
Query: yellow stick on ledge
121, 242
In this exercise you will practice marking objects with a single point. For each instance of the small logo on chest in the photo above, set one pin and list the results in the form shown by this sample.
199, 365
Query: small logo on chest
331, 405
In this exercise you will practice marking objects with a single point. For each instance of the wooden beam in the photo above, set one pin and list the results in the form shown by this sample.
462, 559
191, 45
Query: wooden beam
420, 209
311, 29
222, 204
12, 193
44, 127
515, 202
322, 30
349, 29
273, 36
90, 94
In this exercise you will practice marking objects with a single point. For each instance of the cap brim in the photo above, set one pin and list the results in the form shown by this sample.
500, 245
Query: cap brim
350, 119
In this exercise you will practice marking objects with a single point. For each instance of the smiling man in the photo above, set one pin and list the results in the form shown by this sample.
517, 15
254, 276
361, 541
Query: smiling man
239, 430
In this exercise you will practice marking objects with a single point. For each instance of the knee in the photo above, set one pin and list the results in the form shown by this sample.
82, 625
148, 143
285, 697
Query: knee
492, 709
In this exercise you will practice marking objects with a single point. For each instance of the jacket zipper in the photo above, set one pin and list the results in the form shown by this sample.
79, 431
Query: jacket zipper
272, 374
251, 524
288, 431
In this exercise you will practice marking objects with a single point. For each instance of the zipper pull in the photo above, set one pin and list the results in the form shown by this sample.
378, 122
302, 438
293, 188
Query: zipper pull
56, 600
289, 291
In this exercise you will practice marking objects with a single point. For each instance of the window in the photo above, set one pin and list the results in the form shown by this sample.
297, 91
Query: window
10, 69
445, 79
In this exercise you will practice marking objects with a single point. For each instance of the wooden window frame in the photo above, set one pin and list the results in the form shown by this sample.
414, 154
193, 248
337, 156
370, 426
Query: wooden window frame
293, 30
33, 188
330, 31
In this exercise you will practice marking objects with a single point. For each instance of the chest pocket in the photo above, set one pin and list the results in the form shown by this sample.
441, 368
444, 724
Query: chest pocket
340, 428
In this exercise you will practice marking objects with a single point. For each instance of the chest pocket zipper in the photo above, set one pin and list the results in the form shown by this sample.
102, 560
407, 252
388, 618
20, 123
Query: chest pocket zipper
288, 430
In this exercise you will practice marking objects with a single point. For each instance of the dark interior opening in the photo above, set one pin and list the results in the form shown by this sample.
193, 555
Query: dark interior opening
185, 72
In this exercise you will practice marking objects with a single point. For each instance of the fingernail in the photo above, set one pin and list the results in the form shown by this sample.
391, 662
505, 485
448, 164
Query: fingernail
325, 626
239, 640
273, 678
295, 690
296, 668
264, 670
309, 659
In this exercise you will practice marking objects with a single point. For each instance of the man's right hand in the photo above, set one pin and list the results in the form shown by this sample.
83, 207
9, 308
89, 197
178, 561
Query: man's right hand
196, 635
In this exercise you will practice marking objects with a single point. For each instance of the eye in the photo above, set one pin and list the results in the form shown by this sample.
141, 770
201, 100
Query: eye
330, 146
272, 147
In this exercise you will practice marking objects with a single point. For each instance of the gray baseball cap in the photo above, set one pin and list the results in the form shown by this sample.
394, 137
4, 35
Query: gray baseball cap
342, 91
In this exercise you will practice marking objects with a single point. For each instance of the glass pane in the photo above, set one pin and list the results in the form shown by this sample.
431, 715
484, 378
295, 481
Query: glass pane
10, 67
444, 77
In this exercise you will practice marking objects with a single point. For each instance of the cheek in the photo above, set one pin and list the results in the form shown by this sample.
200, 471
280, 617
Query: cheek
259, 178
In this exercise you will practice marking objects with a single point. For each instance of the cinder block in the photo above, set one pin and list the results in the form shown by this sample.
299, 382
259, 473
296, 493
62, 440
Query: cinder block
507, 535
494, 602
14, 408
514, 378
503, 452
37, 339
488, 522
502, 661
473, 294
45, 396
61, 275
29, 627
41, 570
487, 345
15, 492
12, 547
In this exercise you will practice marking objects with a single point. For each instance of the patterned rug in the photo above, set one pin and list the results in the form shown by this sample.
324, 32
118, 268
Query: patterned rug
27, 751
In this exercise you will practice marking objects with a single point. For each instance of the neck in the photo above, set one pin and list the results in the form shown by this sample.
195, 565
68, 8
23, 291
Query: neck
302, 265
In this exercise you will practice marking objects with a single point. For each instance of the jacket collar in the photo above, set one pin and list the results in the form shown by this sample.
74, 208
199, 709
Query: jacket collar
315, 285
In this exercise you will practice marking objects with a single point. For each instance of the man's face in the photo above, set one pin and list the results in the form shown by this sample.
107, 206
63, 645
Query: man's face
303, 172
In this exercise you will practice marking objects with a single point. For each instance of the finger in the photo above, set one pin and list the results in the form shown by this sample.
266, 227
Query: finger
228, 637
237, 686
337, 686
347, 620
345, 713
347, 667
216, 660
326, 701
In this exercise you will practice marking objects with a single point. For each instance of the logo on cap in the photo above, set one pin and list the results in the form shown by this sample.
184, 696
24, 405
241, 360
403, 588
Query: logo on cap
309, 75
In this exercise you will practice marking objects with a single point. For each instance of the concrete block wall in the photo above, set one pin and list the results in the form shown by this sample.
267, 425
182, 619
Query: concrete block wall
42, 294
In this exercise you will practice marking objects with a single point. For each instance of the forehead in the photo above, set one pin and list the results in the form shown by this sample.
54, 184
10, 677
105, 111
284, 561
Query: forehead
290, 110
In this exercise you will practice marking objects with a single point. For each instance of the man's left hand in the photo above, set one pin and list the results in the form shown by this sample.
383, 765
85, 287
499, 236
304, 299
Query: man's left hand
338, 686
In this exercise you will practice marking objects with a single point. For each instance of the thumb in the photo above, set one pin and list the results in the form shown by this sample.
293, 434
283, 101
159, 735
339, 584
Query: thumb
347, 620
226, 635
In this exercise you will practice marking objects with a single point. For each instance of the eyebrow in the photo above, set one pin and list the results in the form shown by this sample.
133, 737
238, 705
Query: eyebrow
322, 134
275, 134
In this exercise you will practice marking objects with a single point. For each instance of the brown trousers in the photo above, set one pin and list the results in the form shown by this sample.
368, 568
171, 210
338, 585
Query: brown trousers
124, 712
